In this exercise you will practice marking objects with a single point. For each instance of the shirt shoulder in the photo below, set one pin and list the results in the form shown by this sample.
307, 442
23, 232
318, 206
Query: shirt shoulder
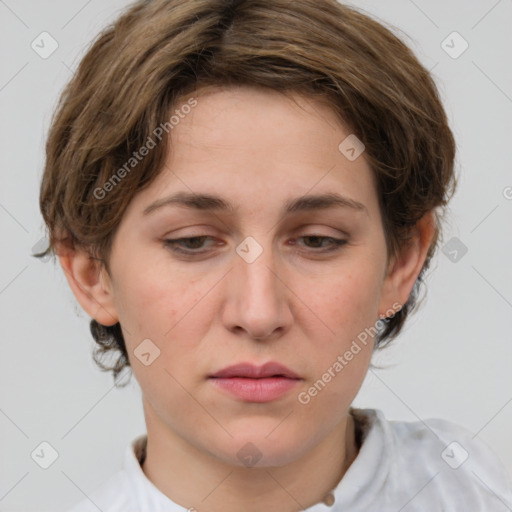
128, 490
446, 465
112, 496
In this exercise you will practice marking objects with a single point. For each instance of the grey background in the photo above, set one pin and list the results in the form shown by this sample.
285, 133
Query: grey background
453, 360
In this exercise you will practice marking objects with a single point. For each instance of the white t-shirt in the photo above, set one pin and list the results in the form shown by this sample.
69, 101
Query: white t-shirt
431, 466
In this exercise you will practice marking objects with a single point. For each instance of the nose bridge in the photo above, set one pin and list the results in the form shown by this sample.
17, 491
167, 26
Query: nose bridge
255, 264
258, 292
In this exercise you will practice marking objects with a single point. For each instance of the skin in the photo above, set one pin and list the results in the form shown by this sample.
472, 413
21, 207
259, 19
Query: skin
296, 303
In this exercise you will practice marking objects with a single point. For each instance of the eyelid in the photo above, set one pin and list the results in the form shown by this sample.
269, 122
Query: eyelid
334, 244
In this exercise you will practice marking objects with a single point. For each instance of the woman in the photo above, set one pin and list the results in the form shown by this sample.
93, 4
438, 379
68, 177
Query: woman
244, 197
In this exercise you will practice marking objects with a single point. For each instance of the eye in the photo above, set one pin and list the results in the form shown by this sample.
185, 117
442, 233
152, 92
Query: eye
334, 243
192, 245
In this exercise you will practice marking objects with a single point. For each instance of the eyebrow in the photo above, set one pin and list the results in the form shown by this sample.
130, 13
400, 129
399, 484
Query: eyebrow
208, 202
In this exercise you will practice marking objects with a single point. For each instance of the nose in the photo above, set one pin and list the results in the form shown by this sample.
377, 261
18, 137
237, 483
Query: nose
257, 297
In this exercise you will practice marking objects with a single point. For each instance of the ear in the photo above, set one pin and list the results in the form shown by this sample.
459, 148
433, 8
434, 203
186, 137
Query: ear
89, 282
404, 268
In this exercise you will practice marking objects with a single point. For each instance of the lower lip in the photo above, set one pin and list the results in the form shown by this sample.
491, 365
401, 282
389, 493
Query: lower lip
256, 390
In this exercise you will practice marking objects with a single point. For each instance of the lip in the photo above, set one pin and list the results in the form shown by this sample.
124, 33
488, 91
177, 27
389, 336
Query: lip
256, 383
249, 370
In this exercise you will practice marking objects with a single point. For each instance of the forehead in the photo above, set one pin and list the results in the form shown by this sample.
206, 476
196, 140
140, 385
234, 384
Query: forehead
247, 119
258, 147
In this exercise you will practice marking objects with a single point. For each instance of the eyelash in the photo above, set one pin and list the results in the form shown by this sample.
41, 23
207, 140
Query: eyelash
171, 244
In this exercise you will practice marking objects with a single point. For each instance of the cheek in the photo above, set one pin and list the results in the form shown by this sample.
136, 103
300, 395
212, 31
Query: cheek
167, 313
174, 311
348, 308
150, 303
146, 306
347, 303
340, 358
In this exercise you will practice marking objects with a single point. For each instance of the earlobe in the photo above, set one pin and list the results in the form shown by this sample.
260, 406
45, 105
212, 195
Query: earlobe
89, 282
404, 269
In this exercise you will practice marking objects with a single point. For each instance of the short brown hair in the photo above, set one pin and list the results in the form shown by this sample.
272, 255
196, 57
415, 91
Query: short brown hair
158, 52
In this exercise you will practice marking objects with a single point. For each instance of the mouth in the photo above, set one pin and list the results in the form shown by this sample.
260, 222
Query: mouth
249, 370
252, 383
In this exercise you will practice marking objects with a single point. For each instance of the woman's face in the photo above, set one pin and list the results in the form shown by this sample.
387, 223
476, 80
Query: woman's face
271, 274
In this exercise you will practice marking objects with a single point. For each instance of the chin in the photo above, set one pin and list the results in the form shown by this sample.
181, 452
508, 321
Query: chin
260, 449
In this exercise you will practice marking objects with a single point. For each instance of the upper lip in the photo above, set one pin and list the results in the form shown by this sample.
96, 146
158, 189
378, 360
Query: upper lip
270, 369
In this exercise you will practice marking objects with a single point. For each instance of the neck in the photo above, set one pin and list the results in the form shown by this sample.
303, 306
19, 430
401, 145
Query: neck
193, 478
